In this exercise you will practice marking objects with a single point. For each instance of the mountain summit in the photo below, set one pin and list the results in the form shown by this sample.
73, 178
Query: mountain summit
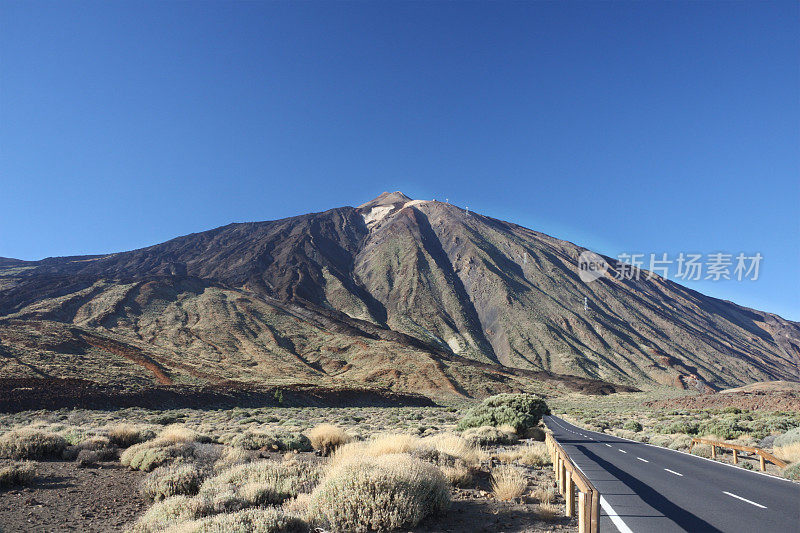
396, 293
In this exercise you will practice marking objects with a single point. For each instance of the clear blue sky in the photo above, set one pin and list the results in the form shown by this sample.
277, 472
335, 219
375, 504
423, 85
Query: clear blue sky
643, 126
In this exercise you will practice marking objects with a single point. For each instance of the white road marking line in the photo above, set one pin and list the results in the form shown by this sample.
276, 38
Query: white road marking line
615, 519
744, 499
644, 460
608, 445
623, 451
673, 472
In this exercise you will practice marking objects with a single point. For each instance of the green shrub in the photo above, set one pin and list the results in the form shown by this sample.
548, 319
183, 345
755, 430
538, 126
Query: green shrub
378, 494
172, 480
790, 437
792, 472
255, 440
727, 428
633, 425
31, 444
683, 426
269, 520
522, 411
295, 441
17, 474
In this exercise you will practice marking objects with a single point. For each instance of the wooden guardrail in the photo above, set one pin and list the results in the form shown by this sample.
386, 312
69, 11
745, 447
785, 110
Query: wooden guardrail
570, 479
762, 455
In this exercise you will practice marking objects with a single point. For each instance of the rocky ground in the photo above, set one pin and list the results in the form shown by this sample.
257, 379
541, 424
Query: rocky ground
65, 497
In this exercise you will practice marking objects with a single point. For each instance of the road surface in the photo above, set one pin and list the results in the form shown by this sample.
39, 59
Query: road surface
646, 488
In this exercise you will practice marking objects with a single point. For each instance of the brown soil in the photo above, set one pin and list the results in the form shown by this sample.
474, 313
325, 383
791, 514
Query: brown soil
67, 498
767, 401
16, 394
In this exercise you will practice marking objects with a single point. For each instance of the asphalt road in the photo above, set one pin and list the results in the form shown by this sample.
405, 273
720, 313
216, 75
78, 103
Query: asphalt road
646, 488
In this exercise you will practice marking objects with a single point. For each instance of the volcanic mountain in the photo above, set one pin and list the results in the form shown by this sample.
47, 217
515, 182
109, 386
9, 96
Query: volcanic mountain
402, 294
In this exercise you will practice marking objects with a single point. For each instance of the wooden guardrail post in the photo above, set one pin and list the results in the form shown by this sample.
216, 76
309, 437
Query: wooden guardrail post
583, 527
573, 483
763, 456
569, 496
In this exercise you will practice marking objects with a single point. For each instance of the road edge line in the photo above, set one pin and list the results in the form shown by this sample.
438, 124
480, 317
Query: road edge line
615, 518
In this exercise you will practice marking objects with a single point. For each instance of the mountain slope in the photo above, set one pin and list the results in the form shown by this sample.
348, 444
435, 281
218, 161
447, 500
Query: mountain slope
399, 293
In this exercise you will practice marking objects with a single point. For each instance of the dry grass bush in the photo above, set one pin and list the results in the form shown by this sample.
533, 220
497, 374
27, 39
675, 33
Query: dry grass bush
172, 480
17, 474
393, 443
176, 509
788, 452
544, 495
327, 437
151, 454
177, 433
96, 443
298, 505
378, 494
445, 449
508, 482
181, 509
458, 475
487, 435
92, 450
534, 454
548, 511
701, 450
30, 443
279, 481
680, 442
269, 520
456, 446
230, 457
660, 440
125, 435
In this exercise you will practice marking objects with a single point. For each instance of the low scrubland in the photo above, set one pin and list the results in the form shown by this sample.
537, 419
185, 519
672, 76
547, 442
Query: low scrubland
297, 469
